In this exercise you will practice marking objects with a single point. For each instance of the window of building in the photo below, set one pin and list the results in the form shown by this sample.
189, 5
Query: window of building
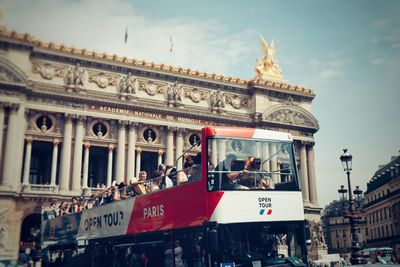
383, 231
344, 233
387, 230
99, 130
391, 228
379, 232
44, 123
384, 210
337, 233
41, 161
371, 234
337, 244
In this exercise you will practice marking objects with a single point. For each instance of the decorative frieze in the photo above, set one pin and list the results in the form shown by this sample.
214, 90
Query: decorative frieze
195, 94
102, 79
236, 101
48, 71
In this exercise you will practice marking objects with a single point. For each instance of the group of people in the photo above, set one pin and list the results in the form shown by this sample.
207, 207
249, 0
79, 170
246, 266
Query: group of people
165, 176
242, 175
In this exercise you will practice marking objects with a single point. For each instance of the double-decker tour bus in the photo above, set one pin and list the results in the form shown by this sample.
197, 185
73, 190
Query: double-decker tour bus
239, 203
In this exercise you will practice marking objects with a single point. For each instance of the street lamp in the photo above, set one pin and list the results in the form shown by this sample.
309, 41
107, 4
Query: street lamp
358, 192
342, 193
351, 213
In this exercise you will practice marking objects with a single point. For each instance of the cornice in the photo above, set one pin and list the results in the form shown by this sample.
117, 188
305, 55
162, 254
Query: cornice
144, 68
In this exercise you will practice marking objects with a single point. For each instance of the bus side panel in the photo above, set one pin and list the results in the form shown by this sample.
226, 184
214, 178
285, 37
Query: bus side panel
177, 207
258, 206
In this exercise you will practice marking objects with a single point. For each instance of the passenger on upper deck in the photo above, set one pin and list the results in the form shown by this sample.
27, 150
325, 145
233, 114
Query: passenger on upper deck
139, 184
229, 174
256, 178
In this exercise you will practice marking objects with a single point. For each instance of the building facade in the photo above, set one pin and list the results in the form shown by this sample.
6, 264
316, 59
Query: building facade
337, 230
72, 119
382, 208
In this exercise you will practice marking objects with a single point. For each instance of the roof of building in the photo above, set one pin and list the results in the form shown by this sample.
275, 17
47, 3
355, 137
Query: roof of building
383, 174
28, 39
333, 209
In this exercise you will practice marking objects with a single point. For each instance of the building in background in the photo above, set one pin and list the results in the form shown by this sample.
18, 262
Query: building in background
72, 120
382, 207
337, 228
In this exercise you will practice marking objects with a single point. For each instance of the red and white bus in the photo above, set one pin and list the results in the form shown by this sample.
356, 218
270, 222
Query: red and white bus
241, 206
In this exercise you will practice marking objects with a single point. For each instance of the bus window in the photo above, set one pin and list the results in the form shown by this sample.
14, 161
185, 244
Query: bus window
248, 164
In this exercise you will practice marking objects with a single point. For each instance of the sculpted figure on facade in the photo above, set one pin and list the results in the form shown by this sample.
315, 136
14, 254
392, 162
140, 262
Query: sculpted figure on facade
128, 86
174, 94
217, 101
75, 78
267, 67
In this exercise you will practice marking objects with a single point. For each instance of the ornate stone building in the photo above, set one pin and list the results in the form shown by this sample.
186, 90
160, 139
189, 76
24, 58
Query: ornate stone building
71, 119
382, 208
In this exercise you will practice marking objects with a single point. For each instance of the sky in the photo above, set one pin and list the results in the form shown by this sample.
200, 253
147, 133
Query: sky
347, 51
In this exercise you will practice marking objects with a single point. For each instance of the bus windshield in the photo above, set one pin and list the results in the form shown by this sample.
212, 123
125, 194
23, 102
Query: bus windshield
261, 242
242, 164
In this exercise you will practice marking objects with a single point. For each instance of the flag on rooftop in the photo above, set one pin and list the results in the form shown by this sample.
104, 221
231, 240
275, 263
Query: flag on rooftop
126, 35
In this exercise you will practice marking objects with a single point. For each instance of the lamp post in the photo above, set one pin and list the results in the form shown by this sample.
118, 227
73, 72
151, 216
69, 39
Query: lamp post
352, 214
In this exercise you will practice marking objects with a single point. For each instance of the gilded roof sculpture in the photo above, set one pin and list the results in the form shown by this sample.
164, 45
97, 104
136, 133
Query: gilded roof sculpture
267, 67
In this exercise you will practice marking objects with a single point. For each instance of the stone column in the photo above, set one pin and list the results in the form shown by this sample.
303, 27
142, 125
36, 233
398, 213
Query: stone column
274, 163
138, 159
66, 154
86, 166
9, 152
304, 173
131, 150
54, 162
1, 129
265, 157
179, 148
77, 163
109, 165
214, 153
159, 160
311, 175
120, 174
221, 150
27, 162
170, 146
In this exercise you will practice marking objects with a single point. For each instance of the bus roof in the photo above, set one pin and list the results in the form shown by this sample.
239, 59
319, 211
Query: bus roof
246, 133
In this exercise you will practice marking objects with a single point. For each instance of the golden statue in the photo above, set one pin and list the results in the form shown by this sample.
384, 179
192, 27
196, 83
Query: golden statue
267, 67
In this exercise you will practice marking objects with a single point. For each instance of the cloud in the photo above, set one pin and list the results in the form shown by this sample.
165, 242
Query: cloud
329, 69
377, 61
100, 25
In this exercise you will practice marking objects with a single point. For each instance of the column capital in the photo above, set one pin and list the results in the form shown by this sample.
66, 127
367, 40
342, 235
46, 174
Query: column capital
160, 152
110, 147
170, 129
29, 139
87, 145
133, 125
14, 107
56, 142
139, 150
80, 119
68, 117
180, 131
122, 123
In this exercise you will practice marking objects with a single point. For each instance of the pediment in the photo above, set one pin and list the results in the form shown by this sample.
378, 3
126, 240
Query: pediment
10, 73
291, 115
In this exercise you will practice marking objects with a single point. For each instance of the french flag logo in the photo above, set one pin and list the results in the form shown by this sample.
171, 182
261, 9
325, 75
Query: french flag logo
265, 211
